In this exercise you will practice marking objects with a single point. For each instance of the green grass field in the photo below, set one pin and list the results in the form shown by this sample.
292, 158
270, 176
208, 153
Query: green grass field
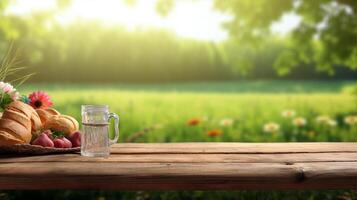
249, 104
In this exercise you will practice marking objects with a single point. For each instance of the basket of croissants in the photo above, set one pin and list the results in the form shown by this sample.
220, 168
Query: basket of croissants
31, 126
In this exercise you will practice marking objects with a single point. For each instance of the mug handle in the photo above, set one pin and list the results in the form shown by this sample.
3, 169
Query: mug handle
116, 127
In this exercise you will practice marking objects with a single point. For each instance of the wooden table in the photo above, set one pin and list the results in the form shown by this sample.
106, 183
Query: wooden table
190, 166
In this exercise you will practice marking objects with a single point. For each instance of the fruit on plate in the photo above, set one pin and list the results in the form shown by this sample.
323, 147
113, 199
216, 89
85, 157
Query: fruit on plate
43, 140
62, 123
76, 139
58, 143
46, 113
68, 144
18, 124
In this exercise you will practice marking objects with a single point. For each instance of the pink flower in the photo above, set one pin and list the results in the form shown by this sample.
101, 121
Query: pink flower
40, 100
7, 87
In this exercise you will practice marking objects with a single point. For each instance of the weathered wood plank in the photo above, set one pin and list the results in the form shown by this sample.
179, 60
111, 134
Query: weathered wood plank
192, 158
55, 175
329, 175
133, 148
190, 166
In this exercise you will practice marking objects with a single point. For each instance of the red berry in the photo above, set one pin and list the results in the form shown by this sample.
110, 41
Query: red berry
58, 143
43, 140
76, 139
68, 144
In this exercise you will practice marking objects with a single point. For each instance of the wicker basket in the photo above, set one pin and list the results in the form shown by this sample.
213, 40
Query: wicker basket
27, 149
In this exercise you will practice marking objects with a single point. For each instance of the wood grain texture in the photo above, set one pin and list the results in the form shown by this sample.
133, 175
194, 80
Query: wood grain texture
190, 166
192, 158
232, 148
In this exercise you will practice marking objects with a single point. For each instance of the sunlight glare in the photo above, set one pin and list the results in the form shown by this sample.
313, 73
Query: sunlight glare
191, 19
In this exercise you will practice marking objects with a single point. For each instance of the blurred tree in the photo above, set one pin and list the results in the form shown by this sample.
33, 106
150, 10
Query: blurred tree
104, 53
325, 37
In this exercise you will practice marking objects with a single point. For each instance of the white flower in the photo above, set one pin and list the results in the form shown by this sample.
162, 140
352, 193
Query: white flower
323, 119
271, 127
299, 121
326, 120
288, 113
226, 122
351, 119
332, 123
9, 88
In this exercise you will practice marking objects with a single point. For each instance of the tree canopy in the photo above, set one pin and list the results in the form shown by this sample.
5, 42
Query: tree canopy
326, 35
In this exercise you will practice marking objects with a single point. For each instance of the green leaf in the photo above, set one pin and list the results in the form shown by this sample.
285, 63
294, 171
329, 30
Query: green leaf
286, 61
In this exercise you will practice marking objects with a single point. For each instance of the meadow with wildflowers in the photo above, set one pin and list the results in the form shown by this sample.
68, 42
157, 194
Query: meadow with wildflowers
270, 111
265, 111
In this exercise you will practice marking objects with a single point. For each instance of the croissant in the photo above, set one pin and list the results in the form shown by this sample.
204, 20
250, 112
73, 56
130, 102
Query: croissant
62, 123
18, 124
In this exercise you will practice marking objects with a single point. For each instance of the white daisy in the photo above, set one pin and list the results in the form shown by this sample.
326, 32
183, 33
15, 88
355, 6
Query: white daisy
351, 120
288, 113
299, 121
271, 127
226, 122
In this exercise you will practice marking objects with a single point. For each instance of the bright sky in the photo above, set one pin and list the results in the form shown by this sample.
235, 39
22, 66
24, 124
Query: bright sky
193, 19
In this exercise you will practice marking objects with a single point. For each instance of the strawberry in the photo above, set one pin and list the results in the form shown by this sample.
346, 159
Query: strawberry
59, 143
43, 140
67, 143
76, 139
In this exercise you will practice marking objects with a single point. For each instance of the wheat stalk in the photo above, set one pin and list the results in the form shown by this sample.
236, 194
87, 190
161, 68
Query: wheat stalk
10, 66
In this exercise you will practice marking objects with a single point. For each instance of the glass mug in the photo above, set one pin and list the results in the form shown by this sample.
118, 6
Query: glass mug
95, 141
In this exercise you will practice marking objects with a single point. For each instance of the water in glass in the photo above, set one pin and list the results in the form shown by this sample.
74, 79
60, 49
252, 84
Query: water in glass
95, 141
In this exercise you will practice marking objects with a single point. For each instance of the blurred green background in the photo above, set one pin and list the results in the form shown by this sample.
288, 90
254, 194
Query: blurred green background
193, 70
